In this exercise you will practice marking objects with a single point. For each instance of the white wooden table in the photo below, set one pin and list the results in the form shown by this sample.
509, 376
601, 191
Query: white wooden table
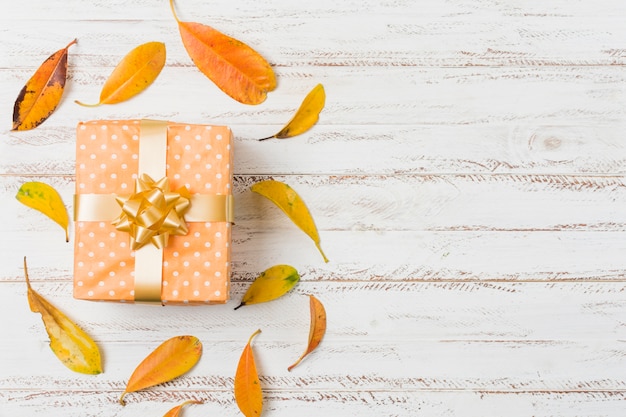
467, 177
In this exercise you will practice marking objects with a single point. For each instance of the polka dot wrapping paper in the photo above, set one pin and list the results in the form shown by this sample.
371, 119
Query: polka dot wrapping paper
196, 266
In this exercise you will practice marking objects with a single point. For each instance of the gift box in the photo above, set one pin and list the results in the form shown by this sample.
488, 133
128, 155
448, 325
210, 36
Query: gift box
152, 213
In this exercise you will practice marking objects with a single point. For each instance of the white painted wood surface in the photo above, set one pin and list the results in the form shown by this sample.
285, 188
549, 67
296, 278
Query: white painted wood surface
466, 175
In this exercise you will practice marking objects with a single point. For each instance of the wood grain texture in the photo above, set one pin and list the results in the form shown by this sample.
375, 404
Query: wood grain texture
466, 176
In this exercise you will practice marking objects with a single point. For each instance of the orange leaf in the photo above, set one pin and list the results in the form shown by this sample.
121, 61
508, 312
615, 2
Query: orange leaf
317, 328
135, 72
247, 387
171, 359
42, 93
237, 69
175, 412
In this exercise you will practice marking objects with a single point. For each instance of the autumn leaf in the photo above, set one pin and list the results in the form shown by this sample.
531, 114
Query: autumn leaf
237, 69
44, 198
42, 93
292, 205
137, 70
248, 393
70, 343
274, 282
316, 329
175, 412
171, 359
306, 116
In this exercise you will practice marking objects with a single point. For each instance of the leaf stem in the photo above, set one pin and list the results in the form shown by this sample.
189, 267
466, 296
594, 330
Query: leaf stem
319, 247
296, 362
269, 137
80, 103
240, 305
74, 42
174, 11
190, 402
26, 274
254, 334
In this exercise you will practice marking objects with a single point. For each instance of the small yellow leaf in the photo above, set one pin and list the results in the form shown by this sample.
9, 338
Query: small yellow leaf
70, 343
175, 412
306, 116
137, 70
234, 67
274, 282
248, 394
317, 328
171, 359
292, 205
42, 93
44, 198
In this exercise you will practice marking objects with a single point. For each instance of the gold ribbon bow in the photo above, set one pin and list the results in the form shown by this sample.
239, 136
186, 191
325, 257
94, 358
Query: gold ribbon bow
152, 213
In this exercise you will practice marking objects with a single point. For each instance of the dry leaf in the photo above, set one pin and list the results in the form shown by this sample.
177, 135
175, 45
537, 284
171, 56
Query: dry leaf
70, 343
306, 116
44, 198
42, 93
248, 393
292, 205
175, 412
317, 328
237, 69
135, 72
274, 282
171, 359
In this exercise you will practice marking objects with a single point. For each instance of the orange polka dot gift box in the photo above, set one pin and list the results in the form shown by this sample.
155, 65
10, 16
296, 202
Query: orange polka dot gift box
153, 212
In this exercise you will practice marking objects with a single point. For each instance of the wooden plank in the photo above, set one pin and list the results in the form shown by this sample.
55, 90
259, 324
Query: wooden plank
355, 96
365, 255
406, 203
372, 149
450, 34
369, 315
287, 403
439, 346
456, 231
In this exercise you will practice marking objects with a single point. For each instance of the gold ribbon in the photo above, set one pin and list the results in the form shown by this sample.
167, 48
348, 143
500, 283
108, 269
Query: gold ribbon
153, 212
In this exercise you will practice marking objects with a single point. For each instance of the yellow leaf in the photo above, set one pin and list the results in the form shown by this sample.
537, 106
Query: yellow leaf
274, 282
237, 69
248, 394
292, 205
175, 412
42, 93
70, 343
306, 116
316, 329
135, 72
171, 359
44, 198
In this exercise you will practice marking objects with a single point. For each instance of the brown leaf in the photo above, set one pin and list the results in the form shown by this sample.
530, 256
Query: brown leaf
248, 394
70, 343
317, 328
42, 93
171, 359
175, 412
237, 69
137, 70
